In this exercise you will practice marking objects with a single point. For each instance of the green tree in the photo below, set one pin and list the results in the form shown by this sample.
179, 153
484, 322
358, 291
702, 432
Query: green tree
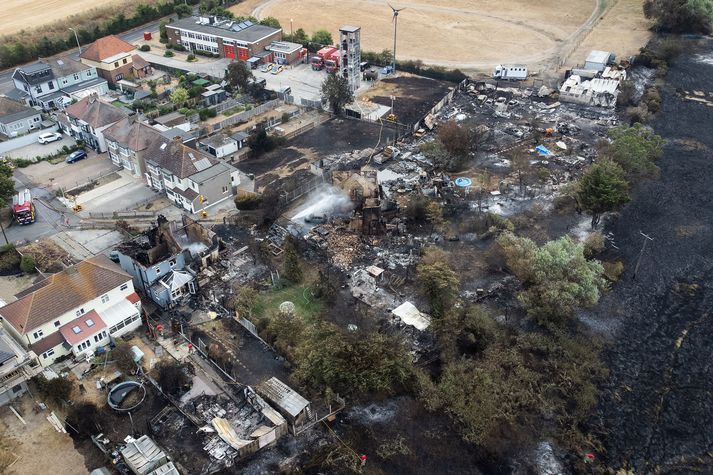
27, 264
636, 148
300, 37
557, 277
438, 282
681, 16
322, 37
271, 21
603, 188
291, 266
351, 363
163, 35
336, 89
183, 10
179, 96
434, 214
238, 75
124, 358
245, 300
58, 389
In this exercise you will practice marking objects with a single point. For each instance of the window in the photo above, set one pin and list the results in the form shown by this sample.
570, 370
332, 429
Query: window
80, 312
76, 77
64, 81
56, 324
172, 262
116, 64
225, 189
17, 388
38, 89
124, 61
105, 298
119, 77
89, 322
124, 286
38, 334
48, 353
157, 269
50, 85
99, 337
76, 329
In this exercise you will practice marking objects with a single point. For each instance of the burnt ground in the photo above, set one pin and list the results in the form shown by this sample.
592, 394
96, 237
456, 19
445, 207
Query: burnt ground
332, 137
415, 96
656, 409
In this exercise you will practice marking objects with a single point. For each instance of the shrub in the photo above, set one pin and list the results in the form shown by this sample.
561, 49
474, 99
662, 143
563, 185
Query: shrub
144, 48
247, 202
124, 358
179, 47
22, 162
286, 117
57, 389
9, 260
171, 377
168, 54
593, 245
612, 270
27, 264
169, 46
191, 57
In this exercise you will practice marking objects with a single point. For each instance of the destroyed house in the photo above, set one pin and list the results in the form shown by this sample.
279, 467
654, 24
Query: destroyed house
287, 401
143, 456
75, 311
163, 261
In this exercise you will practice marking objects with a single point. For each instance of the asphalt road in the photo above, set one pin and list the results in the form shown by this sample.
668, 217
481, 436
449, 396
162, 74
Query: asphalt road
131, 36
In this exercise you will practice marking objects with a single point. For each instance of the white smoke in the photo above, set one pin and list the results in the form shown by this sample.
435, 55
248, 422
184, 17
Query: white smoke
326, 201
196, 248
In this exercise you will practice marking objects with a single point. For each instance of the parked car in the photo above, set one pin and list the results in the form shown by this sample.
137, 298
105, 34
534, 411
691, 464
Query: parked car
278, 70
48, 137
76, 156
267, 67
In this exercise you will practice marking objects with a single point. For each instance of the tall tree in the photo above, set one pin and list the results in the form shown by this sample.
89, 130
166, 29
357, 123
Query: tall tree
557, 277
681, 16
238, 75
271, 21
438, 282
636, 148
179, 96
322, 37
336, 89
603, 188
291, 266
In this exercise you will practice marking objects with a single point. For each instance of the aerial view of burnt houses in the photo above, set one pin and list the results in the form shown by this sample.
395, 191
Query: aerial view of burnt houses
356, 237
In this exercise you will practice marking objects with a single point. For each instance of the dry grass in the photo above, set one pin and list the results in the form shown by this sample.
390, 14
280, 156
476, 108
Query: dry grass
52, 18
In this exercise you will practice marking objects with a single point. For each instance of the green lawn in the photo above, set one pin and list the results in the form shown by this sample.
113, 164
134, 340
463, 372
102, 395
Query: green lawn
306, 306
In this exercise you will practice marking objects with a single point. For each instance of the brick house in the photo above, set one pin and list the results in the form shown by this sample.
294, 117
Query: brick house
229, 39
114, 59
127, 140
75, 311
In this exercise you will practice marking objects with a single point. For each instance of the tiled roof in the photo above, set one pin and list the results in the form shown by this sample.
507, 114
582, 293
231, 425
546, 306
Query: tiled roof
106, 47
131, 133
62, 292
133, 298
82, 327
66, 66
50, 341
177, 158
95, 112
11, 111
137, 62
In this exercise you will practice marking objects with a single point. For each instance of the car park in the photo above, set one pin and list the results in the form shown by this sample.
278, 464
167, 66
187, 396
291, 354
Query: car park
48, 137
76, 156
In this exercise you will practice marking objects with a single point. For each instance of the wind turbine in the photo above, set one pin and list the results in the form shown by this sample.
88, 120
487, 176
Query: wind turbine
395, 21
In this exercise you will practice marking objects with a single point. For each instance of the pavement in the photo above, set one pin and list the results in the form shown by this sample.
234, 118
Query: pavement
96, 241
304, 82
124, 193
66, 176
214, 68
40, 150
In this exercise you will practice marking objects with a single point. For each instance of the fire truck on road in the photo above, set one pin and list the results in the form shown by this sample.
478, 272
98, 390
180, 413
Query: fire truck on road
23, 209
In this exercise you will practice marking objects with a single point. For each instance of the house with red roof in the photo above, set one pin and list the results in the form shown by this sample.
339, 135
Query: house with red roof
115, 60
74, 312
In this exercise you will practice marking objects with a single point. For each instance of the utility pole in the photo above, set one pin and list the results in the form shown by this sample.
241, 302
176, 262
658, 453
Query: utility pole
641, 254
76, 38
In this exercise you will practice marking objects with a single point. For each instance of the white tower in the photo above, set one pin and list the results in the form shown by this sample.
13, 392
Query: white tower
350, 55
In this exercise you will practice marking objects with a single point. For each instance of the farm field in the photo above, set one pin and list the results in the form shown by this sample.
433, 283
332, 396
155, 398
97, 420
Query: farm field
17, 15
464, 33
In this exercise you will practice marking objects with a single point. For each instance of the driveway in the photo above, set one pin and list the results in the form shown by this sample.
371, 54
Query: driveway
215, 68
67, 176
37, 149
123, 194
305, 82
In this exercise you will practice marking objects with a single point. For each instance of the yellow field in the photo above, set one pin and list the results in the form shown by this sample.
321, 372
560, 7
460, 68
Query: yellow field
468, 34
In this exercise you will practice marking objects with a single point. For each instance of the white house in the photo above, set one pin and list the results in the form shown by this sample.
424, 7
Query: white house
75, 311
219, 145
88, 119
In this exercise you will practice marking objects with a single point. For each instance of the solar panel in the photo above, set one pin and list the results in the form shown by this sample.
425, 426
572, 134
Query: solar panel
248, 23
193, 157
202, 164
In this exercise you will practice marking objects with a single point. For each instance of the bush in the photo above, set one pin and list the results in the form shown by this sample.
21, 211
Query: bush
57, 389
286, 117
22, 162
144, 48
124, 358
169, 46
191, 57
171, 377
9, 260
247, 202
179, 47
27, 264
593, 245
168, 54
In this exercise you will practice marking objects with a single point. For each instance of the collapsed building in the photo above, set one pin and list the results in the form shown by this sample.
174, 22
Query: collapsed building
596, 84
372, 210
165, 260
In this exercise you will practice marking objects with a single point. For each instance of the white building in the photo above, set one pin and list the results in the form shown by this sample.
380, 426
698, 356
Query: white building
75, 311
598, 60
17, 366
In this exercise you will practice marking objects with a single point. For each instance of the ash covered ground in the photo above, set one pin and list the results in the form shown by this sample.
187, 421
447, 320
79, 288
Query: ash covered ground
655, 411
